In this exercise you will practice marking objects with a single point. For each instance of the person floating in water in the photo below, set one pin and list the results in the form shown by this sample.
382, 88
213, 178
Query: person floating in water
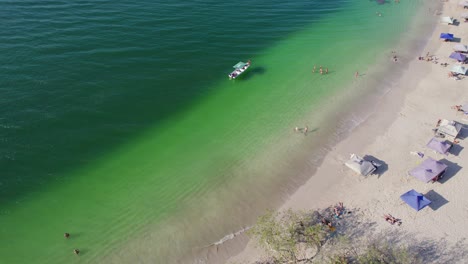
313, 70
326, 71
66, 235
76, 251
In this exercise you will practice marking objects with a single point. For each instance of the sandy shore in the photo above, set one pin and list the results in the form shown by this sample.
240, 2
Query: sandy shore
402, 125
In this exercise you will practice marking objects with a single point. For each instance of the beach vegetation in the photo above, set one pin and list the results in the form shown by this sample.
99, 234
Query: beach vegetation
302, 237
289, 236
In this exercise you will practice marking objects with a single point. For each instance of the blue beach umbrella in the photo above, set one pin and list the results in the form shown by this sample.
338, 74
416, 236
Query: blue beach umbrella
416, 200
457, 56
446, 36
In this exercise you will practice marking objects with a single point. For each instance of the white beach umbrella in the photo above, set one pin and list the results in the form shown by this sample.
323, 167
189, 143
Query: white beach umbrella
446, 20
463, 3
460, 47
459, 69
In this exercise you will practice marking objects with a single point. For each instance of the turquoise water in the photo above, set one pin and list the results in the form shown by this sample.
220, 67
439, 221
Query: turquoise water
120, 126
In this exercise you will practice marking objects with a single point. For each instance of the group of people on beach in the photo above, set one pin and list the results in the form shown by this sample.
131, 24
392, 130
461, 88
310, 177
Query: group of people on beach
320, 70
338, 212
432, 58
394, 56
302, 130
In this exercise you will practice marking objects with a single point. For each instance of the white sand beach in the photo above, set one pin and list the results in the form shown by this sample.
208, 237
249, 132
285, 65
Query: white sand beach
403, 125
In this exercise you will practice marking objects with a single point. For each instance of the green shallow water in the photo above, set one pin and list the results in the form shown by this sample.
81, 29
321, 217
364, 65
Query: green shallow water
131, 136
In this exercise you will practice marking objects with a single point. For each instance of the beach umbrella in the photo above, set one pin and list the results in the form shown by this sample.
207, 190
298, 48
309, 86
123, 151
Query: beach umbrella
428, 170
459, 69
416, 200
460, 48
441, 147
463, 3
446, 36
360, 165
446, 20
457, 56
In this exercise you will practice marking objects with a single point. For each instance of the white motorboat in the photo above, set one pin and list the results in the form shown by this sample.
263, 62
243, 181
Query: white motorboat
240, 67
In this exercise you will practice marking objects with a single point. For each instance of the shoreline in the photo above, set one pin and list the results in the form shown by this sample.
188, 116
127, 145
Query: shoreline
332, 182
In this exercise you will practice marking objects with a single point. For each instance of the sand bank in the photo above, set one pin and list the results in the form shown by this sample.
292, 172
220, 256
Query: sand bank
402, 124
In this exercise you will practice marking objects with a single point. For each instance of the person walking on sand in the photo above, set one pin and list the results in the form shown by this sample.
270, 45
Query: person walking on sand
306, 129
356, 74
296, 129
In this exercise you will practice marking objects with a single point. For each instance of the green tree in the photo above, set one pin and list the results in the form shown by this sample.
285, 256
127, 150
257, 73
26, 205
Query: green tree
290, 237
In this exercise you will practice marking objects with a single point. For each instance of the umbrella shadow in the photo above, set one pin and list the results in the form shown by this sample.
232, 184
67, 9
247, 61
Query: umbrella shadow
463, 131
382, 166
455, 149
436, 199
457, 40
453, 168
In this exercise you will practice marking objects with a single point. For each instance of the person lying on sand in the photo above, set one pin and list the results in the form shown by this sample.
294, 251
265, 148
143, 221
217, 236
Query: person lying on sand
391, 219
329, 224
326, 222
338, 210
457, 107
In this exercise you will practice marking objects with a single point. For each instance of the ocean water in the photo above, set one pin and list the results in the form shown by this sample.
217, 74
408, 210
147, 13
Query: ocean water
119, 124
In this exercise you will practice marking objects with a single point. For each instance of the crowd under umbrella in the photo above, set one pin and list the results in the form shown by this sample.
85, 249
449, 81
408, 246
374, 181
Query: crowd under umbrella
429, 170
416, 200
459, 69
438, 146
460, 48
446, 36
457, 56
